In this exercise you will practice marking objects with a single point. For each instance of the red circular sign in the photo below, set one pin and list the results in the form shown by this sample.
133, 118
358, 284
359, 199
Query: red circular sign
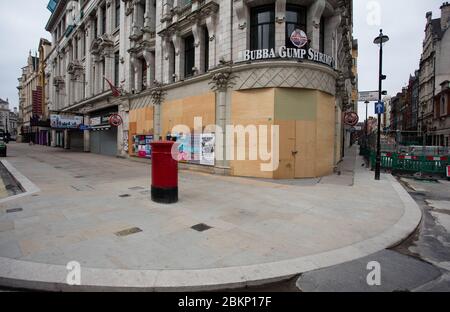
351, 119
115, 120
299, 38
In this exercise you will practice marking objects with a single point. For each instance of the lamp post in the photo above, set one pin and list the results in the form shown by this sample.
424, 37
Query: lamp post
380, 40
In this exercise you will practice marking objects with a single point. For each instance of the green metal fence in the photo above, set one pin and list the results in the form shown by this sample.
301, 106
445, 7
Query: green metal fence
425, 164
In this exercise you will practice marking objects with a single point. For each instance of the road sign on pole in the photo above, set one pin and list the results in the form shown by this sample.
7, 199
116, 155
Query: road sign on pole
368, 96
379, 108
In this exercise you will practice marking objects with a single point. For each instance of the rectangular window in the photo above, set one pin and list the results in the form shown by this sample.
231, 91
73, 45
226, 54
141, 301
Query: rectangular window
103, 20
262, 28
96, 34
117, 14
189, 56
295, 19
116, 69
206, 58
83, 44
144, 74
103, 74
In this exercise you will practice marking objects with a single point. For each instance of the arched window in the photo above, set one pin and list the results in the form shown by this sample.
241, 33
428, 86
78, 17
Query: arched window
262, 28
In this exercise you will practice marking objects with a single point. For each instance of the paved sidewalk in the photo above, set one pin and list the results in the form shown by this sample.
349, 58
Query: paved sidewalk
260, 230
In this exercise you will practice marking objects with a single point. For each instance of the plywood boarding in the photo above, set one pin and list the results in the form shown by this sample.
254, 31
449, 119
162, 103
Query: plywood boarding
183, 111
286, 168
140, 122
295, 104
252, 108
325, 134
308, 117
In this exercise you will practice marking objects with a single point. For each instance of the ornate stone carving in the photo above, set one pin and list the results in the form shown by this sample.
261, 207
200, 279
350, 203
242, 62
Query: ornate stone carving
223, 80
158, 93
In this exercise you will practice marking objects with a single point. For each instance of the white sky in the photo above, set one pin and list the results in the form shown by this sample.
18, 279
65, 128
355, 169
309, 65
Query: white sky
22, 24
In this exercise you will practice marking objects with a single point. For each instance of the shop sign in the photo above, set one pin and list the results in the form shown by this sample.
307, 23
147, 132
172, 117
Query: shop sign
115, 120
65, 121
95, 121
298, 39
351, 119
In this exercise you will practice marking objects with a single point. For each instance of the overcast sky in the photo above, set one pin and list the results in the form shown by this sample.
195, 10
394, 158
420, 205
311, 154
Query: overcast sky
22, 24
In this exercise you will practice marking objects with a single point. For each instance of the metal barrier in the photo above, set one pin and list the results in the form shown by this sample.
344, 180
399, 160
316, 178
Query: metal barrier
425, 164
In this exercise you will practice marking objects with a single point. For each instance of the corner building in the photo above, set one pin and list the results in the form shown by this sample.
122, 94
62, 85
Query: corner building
239, 62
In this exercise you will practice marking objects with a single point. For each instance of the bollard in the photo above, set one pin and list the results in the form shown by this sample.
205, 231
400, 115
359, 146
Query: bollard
164, 173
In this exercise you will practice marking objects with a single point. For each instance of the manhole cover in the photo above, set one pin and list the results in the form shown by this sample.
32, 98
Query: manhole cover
124, 195
14, 210
128, 232
79, 177
201, 227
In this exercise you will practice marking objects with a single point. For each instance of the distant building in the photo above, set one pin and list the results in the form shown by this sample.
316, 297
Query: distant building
434, 71
28, 87
8, 119
355, 89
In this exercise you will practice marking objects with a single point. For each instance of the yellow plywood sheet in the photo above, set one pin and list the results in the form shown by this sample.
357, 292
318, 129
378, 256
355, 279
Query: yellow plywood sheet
325, 134
252, 108
183, 111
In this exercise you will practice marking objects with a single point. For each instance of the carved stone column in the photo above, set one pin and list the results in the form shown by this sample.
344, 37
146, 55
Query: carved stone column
149, 57
280, 25
87, 135
313, 25
158, 95
179, 61
199, 44
211, 25
221, 82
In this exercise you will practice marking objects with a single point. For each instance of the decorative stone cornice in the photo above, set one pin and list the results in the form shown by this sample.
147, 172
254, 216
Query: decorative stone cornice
202, 12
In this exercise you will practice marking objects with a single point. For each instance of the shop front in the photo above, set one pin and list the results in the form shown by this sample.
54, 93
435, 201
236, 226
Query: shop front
65, 131
103, 134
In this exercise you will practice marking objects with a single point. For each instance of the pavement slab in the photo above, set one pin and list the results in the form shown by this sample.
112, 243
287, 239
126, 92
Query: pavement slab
261, 230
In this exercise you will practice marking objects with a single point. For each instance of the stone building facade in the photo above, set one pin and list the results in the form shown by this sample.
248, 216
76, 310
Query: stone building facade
434, 72
8, 120
28, 87
234, 62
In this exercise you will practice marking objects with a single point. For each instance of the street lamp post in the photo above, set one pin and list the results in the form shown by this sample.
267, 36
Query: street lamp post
380, 40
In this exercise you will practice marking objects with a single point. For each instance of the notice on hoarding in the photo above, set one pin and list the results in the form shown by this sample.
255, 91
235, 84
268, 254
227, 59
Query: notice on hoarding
208, 149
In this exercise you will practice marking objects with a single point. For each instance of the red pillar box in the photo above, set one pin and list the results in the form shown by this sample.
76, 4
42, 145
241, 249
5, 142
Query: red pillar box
164, 173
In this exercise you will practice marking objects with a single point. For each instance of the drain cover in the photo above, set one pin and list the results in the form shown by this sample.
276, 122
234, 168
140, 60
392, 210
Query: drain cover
124, 195
201, 227
14, 210
129, 232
